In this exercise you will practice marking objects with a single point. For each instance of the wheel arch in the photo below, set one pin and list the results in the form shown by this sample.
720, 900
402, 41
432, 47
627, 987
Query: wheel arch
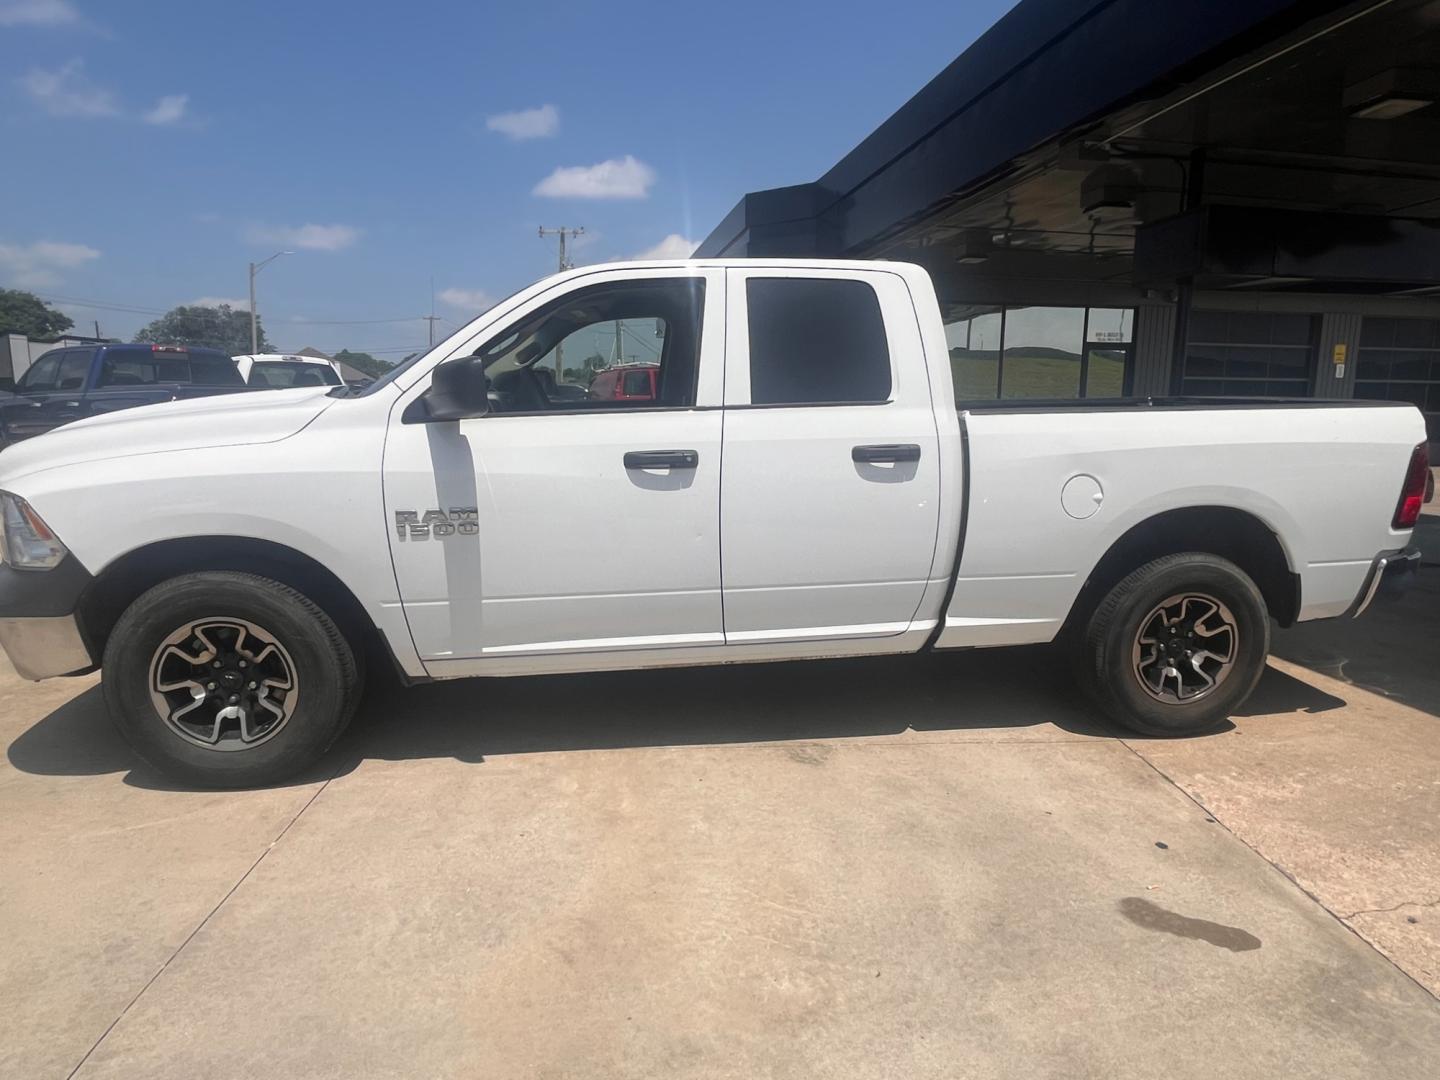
1237, 535
124, 579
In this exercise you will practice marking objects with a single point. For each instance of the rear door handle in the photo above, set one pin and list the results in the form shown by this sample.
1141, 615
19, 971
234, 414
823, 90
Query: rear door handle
661, 459
885, 452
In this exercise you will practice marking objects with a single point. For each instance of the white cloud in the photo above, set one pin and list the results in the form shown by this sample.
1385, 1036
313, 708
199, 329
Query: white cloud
468, 299
673, 246
38, 265
618, 178
170, 109
305, 237
221, 301
65, 91
538, 123
37, 13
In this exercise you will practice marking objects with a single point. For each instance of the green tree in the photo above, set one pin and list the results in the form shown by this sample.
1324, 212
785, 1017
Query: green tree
363, 361
221, 328
25, 313
586, 371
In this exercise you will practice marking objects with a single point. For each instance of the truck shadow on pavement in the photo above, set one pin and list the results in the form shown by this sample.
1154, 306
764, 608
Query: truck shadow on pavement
473, 719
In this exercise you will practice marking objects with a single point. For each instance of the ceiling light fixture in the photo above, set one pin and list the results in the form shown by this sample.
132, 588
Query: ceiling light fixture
1392, 93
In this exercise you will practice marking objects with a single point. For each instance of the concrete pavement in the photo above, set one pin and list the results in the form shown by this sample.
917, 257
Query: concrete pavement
911, 867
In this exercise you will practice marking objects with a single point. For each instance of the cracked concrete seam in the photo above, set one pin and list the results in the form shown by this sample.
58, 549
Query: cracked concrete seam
1397, 907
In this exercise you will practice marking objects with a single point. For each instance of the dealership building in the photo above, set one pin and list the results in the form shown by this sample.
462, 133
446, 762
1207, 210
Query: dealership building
1139, 198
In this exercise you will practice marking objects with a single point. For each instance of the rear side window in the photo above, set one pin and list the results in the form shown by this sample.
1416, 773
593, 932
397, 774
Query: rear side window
214, 371
816, 341
637, 383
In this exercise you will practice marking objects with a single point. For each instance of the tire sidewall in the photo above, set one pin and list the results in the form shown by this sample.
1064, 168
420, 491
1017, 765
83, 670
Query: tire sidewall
1206, 574
325, 686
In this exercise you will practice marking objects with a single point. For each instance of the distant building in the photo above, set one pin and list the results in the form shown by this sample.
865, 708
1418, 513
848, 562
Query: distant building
1131, 198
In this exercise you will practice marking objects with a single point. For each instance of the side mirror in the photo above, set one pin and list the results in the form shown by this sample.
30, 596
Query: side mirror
458, 390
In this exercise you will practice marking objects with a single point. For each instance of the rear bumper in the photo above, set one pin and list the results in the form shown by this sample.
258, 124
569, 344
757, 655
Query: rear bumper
39, 629
1390, 575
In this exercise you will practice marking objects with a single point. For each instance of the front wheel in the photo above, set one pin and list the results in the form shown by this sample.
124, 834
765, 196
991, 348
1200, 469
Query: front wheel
1177, 646
224, 679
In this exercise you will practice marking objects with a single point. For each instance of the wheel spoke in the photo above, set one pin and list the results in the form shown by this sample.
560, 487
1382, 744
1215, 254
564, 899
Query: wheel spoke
1185, 647
223, 683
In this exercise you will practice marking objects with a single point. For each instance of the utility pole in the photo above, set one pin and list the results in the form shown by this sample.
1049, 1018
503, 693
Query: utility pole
561, 231
255, 268
432, 316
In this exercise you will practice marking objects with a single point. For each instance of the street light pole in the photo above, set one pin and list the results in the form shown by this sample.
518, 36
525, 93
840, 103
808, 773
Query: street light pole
255, 268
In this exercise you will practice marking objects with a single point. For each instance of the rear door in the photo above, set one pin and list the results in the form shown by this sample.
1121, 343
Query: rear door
831, 479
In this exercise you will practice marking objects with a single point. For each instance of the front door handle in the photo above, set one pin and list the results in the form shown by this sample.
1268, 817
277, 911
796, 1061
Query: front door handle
885, 452
661, 459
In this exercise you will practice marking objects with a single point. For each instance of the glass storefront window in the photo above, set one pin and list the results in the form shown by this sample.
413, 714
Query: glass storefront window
1021, 353
1042, 352
975, 356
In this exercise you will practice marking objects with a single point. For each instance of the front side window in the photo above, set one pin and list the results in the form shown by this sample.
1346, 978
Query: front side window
73, 371
580, 351
816, 341
41, 375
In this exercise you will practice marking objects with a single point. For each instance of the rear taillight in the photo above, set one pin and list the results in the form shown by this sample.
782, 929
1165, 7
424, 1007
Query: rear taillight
1416, 490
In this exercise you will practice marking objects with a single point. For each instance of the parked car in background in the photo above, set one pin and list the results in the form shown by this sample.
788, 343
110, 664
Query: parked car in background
281, 371
80, 381
627, 382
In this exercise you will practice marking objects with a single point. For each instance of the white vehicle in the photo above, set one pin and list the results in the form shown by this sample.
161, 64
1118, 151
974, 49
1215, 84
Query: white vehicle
232, 562
281, 371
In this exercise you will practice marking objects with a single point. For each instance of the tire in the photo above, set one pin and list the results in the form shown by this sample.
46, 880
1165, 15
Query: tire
1151, 645
209, 634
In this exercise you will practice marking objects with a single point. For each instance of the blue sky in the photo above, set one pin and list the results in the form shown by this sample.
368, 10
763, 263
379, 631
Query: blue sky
166, 143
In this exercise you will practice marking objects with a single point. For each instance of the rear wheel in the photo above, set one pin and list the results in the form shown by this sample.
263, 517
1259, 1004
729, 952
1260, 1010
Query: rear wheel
224, 679
1177, 646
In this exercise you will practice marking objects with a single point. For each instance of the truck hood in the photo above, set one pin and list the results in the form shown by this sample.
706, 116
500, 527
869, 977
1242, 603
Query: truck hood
261, 416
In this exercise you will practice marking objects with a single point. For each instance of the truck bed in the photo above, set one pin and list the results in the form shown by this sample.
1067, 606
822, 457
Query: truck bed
1031, 467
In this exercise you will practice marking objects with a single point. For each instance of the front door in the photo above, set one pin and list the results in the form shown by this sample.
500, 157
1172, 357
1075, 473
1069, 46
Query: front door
563, 523
830, 495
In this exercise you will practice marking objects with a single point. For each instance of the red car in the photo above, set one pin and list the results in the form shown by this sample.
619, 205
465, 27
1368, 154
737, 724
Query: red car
627, 382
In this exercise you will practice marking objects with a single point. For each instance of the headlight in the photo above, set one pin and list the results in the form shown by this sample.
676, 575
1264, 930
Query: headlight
26, 542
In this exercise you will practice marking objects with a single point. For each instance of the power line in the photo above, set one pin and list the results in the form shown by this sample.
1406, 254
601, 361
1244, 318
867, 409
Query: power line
135, 309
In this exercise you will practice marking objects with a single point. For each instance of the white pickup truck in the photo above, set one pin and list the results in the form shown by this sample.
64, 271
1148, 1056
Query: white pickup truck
796, 481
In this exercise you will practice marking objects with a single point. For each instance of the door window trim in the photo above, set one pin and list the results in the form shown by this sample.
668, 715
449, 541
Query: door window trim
710, 388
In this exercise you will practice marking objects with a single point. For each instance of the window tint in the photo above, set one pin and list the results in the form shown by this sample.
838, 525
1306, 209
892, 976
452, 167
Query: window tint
119, 372
74, 369
565, 355
141, 367
41, 375
637, 383
816, 341
215, 371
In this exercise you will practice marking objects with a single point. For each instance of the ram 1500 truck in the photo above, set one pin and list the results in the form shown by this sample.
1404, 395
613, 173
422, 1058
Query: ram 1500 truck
801, 485
77, 381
